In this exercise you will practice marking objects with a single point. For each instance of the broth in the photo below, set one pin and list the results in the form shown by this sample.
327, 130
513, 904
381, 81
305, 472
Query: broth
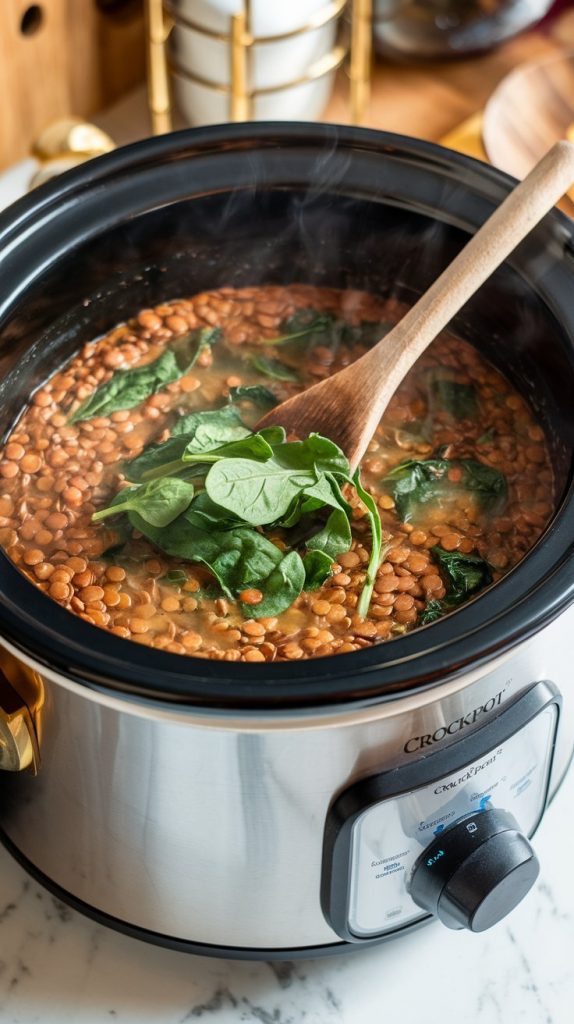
473, 492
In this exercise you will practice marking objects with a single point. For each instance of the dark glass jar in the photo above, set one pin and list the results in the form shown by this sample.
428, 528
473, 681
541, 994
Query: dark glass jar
442, 28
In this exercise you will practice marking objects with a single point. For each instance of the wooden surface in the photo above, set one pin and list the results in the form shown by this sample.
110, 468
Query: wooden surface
430, 99
546, 90
76, 62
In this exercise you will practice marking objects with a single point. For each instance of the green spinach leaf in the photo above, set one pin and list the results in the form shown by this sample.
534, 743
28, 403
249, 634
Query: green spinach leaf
174, 578
254, 447
158, 502
459, 400
463, 575
301, 324
377, 550
273, 368
419, 482
127, 388
433, 611
335, 536
283, 585
259, 492
257, 394
205, 513
487, 483
316, 452
211, 427
318, 568
204, 431
238, 558
263, 493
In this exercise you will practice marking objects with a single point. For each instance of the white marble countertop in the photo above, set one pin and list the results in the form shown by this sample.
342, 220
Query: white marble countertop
58, 967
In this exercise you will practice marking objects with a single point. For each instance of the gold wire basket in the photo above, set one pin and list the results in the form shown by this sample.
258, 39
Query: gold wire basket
163, 15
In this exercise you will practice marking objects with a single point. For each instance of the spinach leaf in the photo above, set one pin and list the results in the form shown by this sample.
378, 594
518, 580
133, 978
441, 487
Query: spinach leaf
205, 513
174, 578
188, 348
127, 388
252, 481
335, 537
302, 323
178, 578
316, 452
204, 431
324, 491
158, 502
282, 586
211, 427
487, 483
154, 457
377, 550
418, 482
433, 611
263, 493
238, 558
257, 394
258, 492
253, 447
463, 575
273, 368
459, 400
318, 569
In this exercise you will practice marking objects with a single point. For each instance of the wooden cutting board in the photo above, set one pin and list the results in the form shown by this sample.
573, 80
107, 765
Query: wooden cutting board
60, 57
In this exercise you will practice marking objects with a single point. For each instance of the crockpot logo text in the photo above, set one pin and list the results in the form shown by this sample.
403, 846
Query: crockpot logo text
418, 742
444, 787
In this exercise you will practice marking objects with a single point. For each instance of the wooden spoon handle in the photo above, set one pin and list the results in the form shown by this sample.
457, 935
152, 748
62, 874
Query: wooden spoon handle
493, 242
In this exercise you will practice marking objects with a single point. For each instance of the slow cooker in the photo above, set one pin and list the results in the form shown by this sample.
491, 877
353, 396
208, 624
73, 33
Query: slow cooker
322, 806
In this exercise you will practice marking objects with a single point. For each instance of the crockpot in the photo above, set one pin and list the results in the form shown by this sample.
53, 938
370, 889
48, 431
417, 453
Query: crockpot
275, 810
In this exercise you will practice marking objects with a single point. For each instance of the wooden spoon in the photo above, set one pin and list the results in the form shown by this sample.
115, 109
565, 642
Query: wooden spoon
348, 406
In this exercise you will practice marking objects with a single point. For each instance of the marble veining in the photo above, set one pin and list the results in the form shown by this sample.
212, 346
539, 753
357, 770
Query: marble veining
56, 967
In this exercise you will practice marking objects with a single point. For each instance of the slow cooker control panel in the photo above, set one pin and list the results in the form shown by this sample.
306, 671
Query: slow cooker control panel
446, 835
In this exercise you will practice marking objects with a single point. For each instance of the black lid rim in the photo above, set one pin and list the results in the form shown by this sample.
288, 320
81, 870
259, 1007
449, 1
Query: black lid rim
531, 596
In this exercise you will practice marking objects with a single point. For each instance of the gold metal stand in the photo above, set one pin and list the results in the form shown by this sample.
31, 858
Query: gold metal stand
162, 15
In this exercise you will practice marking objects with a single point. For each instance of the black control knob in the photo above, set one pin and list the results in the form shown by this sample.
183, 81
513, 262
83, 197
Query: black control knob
475, 872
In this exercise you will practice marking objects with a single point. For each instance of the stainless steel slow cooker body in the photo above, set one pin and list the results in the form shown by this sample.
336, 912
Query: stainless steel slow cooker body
269, 810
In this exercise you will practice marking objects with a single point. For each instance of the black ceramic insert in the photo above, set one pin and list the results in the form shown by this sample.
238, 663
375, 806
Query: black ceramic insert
254, 204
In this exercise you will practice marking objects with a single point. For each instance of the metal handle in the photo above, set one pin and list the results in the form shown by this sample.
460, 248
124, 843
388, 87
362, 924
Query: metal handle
18, 739
16, 745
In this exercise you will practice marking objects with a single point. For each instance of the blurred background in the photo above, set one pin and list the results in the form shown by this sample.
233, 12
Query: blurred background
494, 78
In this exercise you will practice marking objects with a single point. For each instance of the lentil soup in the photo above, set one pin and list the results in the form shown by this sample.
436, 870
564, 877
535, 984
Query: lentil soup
458, 474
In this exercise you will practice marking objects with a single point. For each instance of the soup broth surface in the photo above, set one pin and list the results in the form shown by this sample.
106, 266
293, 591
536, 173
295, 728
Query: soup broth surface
454, 411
